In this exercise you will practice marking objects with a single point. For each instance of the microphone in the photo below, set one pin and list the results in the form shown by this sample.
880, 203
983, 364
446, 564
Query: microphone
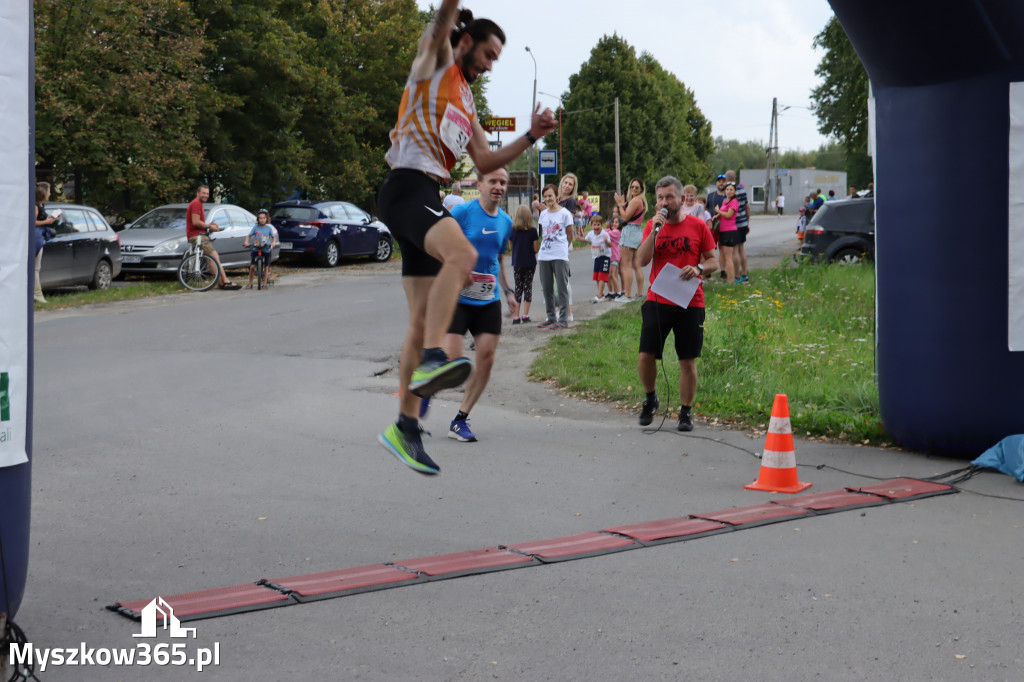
663, 211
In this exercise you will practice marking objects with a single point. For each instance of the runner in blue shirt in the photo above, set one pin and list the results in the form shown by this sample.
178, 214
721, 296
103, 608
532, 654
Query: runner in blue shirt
488, 229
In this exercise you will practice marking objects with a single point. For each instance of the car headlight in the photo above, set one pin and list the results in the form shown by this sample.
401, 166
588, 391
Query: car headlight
170, 246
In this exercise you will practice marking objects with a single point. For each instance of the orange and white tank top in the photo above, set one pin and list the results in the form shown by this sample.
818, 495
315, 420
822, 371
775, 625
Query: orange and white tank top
435, 122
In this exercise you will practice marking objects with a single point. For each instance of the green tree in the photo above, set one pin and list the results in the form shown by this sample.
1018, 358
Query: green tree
359, 53
840, 101
661, 130
117, 87
250, 128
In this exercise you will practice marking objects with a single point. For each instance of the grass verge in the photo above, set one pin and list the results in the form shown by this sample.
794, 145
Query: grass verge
807, 332
72, 297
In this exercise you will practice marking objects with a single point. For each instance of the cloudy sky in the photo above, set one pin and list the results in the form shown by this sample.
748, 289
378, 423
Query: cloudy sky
735, 56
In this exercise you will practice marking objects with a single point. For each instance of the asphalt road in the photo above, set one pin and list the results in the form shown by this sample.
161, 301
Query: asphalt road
209, 440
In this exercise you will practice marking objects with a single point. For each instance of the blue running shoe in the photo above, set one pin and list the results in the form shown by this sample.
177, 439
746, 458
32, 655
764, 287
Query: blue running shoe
431, 377
459, 430
409, 449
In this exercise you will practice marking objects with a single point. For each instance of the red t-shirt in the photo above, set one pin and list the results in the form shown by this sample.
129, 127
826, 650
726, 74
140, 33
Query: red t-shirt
680, 244
194, 207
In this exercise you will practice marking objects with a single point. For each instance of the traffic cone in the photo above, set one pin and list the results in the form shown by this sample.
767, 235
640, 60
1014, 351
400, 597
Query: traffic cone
778, 464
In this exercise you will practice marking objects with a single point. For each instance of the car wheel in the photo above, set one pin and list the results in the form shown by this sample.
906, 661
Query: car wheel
103, 276
383, 250
331, 255
848, 257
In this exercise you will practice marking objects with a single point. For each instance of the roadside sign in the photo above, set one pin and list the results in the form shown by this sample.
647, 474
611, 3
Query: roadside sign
548, 164
496, 124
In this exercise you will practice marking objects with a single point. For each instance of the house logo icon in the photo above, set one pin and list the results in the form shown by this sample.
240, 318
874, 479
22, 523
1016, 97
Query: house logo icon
149, 620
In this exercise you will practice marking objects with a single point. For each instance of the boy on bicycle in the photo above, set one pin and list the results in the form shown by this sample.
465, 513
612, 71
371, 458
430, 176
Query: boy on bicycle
263, 236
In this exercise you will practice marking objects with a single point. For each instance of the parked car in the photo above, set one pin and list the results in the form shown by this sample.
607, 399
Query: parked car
842, 231
155, 243
330, 230
84, 249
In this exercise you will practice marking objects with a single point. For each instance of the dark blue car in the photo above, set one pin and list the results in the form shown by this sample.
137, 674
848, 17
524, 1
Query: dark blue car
330, 231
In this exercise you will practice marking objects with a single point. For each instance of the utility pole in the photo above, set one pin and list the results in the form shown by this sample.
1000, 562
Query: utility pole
772, 154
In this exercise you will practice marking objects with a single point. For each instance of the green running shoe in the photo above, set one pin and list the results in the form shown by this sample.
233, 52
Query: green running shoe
409, 449
431, 377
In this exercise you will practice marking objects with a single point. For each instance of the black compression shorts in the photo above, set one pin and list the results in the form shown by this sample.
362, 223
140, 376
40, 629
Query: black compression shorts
410, 204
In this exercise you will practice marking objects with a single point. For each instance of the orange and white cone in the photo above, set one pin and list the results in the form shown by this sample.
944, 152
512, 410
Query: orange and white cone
778, 464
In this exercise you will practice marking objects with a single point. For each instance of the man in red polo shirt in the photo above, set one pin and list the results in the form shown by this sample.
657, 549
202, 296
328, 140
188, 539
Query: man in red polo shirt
196, 226
685, 241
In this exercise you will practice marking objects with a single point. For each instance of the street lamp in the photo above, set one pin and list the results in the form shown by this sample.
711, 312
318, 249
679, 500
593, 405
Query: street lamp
529, 155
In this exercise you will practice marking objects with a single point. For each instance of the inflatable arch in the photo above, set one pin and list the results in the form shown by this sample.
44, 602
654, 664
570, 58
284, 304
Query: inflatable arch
16, 283
949, 203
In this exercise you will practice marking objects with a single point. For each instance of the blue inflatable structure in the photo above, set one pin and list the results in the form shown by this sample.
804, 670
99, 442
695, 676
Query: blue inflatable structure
941, 78
17, 251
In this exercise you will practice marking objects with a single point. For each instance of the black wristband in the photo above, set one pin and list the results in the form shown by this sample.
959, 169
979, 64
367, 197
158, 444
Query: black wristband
530, 137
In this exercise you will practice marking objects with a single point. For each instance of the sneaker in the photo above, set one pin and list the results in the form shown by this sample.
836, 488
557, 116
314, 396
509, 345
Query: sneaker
431, 377
597, 299
409, 449
517, 320
525, 319
570, 318
459, 430
744, 278
649, 409
737, 280
609, 297
547, 324
685, 422
560, 325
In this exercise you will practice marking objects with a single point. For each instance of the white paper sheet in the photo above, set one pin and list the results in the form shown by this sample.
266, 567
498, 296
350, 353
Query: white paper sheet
670, 285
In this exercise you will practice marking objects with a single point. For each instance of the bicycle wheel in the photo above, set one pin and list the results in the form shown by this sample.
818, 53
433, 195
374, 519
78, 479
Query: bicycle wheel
198, 272
259, 271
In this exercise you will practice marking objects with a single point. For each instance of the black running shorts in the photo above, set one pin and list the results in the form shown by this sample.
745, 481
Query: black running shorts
686, 324
476, 319
410, 204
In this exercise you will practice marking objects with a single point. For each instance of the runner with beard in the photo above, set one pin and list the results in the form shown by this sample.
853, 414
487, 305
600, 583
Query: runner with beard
437, 122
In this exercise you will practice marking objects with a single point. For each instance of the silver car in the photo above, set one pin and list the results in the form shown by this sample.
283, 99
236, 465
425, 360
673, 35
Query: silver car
155, 243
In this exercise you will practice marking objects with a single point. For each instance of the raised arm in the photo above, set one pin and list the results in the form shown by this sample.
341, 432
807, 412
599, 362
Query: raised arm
435, 48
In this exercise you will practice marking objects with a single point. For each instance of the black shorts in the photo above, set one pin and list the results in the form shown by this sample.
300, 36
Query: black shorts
266, 258
410, 204
476, 319
686, 324
730, 238
744, 231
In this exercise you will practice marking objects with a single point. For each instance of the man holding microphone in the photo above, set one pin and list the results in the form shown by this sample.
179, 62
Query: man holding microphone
686, 242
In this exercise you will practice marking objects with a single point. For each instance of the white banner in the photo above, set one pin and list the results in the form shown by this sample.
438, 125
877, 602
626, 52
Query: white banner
15, 226
1016, 246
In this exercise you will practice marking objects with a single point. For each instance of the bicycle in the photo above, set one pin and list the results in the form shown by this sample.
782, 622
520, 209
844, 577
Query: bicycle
260, 268
198, 271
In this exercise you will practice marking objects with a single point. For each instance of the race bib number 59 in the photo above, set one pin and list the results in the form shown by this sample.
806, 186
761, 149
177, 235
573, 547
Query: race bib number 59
482, 288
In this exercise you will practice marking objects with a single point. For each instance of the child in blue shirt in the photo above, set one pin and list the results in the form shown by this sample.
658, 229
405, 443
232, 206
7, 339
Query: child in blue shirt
263, 235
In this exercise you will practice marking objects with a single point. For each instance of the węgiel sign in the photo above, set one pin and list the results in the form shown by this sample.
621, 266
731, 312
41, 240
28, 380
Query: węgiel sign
495, 124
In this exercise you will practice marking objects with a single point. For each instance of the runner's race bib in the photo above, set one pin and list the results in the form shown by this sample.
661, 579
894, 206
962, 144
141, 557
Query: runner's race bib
456, 130
482, 288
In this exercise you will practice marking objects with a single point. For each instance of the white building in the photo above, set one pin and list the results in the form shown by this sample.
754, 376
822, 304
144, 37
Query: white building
795, 184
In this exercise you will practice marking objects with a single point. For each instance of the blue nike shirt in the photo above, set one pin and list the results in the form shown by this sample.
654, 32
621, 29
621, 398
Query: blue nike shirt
489, 235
